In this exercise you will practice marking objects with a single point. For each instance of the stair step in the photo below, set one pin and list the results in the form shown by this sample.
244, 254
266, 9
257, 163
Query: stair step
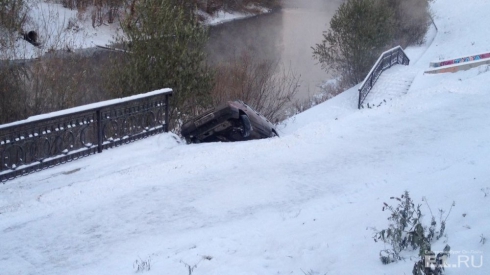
391, 84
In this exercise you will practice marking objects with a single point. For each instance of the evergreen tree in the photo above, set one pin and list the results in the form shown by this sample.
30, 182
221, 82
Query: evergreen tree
165, 50
359, 32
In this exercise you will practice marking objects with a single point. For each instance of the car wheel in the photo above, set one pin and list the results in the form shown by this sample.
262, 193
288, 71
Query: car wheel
247, 126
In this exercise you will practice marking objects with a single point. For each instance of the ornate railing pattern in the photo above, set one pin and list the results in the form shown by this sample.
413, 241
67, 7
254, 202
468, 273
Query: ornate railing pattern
47, 140
387, 59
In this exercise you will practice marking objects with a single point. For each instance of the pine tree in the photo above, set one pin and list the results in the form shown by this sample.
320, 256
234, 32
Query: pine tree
165, 50
359, 32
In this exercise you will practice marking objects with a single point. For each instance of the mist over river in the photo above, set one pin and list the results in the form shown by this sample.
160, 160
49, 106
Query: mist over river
285, 36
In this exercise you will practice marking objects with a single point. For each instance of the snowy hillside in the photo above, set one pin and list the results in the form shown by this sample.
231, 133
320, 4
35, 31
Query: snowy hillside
60, 28
304, 203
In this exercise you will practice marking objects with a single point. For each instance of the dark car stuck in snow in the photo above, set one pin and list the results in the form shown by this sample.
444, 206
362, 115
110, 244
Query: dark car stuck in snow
232, 121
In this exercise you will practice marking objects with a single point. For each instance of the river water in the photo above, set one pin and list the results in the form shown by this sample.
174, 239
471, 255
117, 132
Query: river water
285, 36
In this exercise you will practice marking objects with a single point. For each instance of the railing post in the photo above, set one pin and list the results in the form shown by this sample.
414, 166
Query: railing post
99, 130
359, 103
391, 58
166, 112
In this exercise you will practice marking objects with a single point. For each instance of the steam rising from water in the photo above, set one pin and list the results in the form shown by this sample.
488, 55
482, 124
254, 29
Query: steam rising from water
285, 36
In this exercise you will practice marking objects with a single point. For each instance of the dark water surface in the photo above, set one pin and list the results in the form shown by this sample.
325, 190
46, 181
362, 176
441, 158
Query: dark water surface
285, 36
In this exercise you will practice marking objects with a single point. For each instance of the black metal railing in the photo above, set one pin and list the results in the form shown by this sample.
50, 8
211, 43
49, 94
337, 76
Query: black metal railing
395, 55
47, 140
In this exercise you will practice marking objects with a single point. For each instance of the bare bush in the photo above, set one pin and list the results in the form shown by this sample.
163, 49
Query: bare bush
407, 231
101, 10
329, 90
13, 14
257, 83
78, 82
57, 81
13, 17
12, 92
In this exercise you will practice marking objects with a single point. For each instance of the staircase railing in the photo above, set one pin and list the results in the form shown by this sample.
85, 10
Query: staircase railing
387, 59
47, 140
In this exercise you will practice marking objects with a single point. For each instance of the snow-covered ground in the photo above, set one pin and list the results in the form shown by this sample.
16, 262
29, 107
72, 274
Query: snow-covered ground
60, 28
304, 203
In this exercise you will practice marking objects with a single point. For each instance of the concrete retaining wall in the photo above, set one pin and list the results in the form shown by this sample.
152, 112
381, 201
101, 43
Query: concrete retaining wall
459, 66
469, 58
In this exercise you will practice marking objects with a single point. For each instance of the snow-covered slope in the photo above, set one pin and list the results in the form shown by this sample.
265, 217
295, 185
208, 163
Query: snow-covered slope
60, 28
304, 203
